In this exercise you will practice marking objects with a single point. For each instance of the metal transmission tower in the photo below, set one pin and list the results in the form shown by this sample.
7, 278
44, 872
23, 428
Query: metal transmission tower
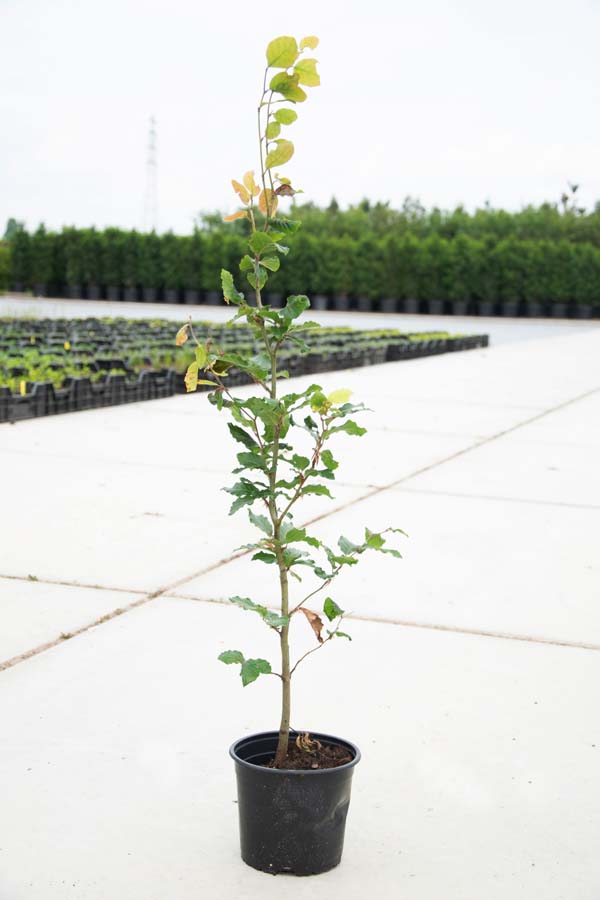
151, 194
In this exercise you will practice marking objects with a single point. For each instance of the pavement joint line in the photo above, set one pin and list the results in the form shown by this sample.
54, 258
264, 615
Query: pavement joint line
75, 584
427, 626
560, 503
66, 636
170, 588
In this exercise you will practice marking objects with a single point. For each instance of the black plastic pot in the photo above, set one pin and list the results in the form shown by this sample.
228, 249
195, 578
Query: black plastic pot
559, 310
411, 305
171, 295
192, 296
341, 301
583, 311
213, 298
436, 308
486, 308
389, 305
534, 309
291, 821
149, 295
113, 292
510, 308
319, 301
94, 292
460, 308
130, 294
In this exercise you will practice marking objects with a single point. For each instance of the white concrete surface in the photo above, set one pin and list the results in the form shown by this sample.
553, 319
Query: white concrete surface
471, 683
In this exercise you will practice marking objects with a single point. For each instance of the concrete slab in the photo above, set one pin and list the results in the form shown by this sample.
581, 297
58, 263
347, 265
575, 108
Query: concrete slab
514, 467
35, 613
129, 526
477, 780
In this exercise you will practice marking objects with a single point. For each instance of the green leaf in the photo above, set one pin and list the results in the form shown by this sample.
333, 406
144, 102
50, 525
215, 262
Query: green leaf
260, 281
316, 489
273, 129
231, 656
261, 522
200, 356
342, 634
288, 87
282, 52
238, 434
300, 462
347, 546
306, 70
328, 461
270, 262
262, 556
251, 461
252, 668
246, 264
373, 540
282, 153
230, 293
285, 116
295, 306
260, 240
331, 609
299, 534
349, 427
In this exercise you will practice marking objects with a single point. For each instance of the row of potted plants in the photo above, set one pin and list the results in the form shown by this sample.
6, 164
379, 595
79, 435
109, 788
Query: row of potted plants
50, 366
394, 273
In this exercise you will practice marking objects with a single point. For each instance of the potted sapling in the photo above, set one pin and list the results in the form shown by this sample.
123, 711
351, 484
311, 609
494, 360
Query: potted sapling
293, 786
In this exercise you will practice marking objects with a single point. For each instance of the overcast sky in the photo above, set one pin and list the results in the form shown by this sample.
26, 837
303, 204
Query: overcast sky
451, 101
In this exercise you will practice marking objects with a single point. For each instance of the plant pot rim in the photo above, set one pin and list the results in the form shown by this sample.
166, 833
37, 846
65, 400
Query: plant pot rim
343, 742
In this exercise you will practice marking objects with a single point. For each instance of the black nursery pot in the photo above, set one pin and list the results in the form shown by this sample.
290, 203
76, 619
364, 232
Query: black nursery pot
291, 821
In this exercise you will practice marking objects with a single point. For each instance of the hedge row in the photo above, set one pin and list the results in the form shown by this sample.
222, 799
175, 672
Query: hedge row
85, 262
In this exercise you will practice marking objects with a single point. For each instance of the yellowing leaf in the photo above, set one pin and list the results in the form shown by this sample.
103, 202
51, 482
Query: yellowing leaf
67, 345
250, 183
282, 153
203, 381
191, 377
311, 42
282, 52
267, 197
241, 191
182, 335
241, 214
306, 70
341, 396
22, 388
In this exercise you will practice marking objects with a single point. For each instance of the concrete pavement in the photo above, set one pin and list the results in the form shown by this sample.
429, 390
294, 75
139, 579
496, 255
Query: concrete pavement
471, 685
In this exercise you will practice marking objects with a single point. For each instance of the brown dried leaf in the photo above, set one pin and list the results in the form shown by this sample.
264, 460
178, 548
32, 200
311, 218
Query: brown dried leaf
242, 214
314, 621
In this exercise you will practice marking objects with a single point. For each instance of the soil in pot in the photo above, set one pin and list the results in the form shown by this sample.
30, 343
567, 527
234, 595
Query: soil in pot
320, 756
